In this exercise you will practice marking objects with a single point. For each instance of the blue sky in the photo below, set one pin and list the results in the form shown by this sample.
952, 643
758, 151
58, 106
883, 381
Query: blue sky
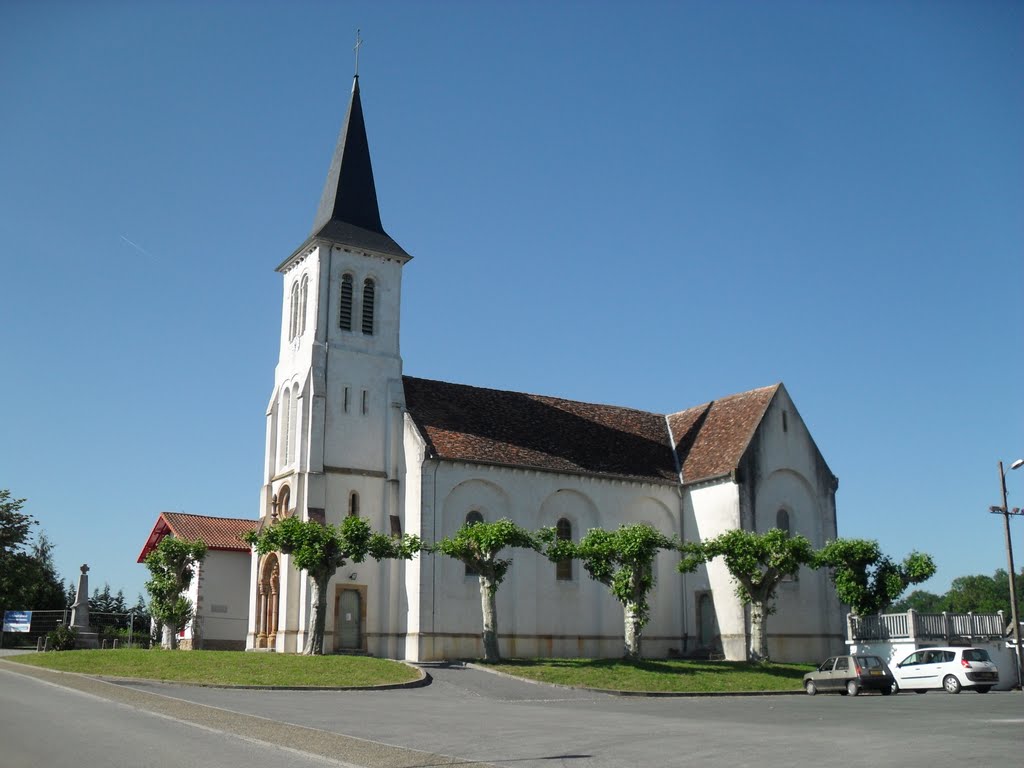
650, 205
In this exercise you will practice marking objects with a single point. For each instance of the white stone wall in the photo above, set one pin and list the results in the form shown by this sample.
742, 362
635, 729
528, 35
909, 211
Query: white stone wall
547, 617
221, 588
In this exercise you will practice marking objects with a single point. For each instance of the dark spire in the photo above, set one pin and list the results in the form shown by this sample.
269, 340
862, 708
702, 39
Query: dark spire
348, 210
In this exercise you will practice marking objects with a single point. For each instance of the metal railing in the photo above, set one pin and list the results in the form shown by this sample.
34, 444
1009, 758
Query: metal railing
947, 627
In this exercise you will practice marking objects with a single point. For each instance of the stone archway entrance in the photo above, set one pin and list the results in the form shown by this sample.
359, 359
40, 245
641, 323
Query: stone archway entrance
267, 602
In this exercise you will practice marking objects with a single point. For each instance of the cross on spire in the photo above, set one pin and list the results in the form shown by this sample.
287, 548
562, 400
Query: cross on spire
358, 45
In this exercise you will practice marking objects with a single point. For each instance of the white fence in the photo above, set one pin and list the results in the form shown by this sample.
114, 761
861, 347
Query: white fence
930, 627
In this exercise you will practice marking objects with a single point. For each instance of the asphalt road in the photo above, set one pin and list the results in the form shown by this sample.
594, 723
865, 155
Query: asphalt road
471, 716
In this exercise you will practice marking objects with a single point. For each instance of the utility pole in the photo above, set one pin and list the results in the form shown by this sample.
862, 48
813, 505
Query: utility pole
1005, 511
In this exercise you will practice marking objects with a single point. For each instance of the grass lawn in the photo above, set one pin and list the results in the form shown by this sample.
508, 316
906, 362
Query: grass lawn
226, 667
675, 676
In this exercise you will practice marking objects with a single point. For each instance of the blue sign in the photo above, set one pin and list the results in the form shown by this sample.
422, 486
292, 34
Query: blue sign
17, 621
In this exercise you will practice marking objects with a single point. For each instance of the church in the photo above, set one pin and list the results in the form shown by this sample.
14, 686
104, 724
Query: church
347, 433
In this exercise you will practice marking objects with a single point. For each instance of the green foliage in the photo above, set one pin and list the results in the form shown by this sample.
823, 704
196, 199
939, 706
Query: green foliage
477, 544
171, 566
660, 675
867, 580
920, 601
63, 638
321, 549
966, 594
28, 576
622, 560
228, 667
757, 561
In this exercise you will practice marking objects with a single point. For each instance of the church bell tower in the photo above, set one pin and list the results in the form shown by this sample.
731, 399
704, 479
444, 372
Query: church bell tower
334, 419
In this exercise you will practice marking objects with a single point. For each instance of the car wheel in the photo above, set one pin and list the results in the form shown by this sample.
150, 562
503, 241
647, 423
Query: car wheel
951, 684
852, 688
983, 688
810, 687
890, 690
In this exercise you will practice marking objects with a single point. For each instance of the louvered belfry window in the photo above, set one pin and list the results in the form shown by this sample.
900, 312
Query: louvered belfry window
345, 318
368, 293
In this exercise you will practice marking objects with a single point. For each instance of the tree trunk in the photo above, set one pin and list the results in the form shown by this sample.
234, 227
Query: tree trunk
318, 616
489, 608
170, 637
632, 631
758, 633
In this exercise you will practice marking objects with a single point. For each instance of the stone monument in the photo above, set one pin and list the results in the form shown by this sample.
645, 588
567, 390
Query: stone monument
87, 636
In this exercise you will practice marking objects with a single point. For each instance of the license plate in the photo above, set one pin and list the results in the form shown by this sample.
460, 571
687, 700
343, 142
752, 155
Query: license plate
875, 672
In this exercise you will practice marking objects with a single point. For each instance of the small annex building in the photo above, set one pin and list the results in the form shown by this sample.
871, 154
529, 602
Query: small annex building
348, 433
220, 585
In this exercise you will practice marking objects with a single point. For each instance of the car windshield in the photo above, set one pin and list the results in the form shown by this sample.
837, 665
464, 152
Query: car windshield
976, 654
869, 662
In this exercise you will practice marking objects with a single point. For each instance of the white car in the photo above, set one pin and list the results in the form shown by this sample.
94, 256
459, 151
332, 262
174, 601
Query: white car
948, 668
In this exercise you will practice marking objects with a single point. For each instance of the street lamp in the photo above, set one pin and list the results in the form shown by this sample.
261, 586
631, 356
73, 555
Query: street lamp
1005, 511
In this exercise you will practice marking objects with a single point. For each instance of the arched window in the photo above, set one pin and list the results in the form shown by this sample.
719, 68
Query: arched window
303, 296
353, 504
345, 316
293, 311
472, 518
563, 568
782, 521
369, 290
284, 426
293, 425
284, 500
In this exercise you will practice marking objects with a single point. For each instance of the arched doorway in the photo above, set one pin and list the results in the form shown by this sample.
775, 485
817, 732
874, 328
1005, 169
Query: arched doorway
268, 589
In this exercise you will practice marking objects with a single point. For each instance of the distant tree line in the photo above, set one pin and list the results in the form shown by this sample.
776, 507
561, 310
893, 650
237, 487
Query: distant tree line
978, 594
28, 577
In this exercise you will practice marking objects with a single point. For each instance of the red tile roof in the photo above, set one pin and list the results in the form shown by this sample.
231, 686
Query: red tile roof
488, 426
711, 438
223, 533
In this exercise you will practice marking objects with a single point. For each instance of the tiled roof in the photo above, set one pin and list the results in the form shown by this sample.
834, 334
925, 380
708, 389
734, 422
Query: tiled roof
711, 438
489, 426
216, 532
492, 426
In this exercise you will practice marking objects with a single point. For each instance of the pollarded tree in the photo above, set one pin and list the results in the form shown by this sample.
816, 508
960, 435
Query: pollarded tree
171, 567
622, 560
757, 562
320, 550
477, 545
867, 580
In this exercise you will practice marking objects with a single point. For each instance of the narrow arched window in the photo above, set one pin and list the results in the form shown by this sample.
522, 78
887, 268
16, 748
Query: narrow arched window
563, 568
782, 521
345, 316
473, 518
293, 311
353, 504
303, 297
284, 501
293, 424
283, 425
369, 290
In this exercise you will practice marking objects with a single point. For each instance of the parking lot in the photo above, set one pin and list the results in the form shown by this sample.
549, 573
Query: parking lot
471, 715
